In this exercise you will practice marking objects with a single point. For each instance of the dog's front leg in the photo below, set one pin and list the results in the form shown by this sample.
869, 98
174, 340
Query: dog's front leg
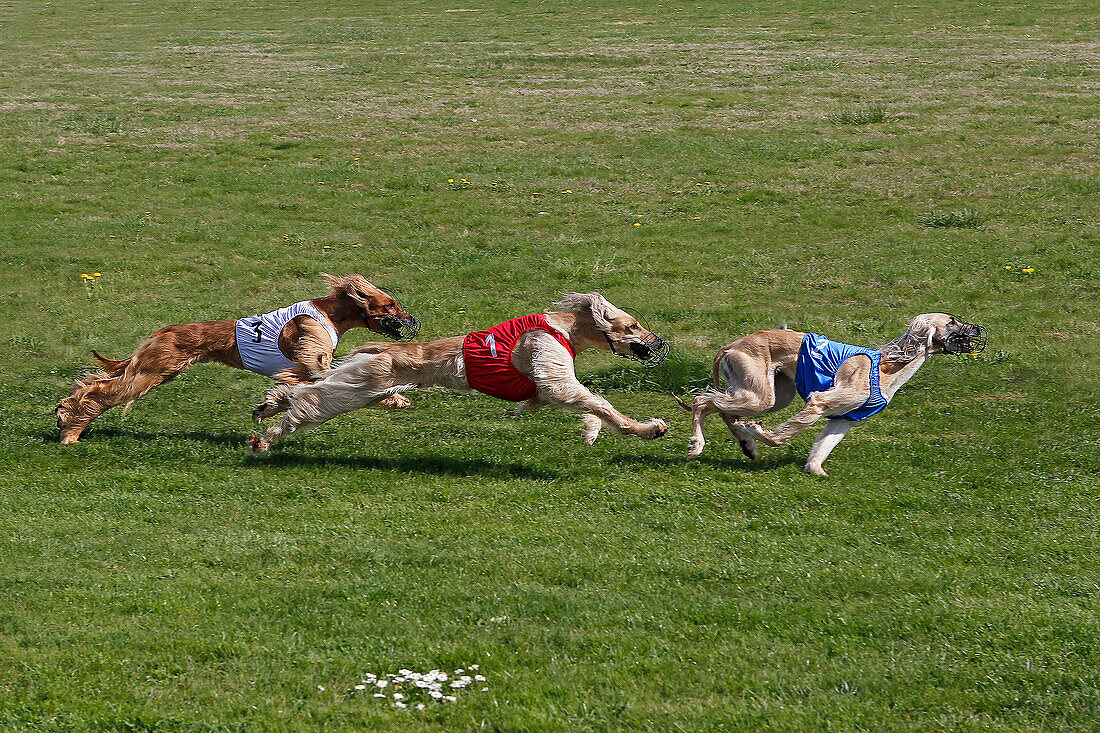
575, 396
829, 438
551, 369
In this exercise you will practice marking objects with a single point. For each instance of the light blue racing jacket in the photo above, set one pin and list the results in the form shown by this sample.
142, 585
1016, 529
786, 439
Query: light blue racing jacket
258, 337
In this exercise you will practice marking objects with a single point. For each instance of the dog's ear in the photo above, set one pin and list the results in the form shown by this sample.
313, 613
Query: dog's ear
336, 285
593, 303
347, 285
922, 330
918, 335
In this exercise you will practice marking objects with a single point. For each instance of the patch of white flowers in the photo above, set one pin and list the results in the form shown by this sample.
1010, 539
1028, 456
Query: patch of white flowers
407, 688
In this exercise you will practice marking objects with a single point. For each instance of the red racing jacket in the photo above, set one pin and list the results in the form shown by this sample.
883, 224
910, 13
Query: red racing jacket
488, 357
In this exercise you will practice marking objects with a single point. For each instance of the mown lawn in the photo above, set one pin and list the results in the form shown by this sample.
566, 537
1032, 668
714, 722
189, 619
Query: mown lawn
833, 167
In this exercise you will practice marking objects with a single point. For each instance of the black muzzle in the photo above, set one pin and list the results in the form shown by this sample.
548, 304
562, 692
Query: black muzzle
970, 339
649, 352
400, 328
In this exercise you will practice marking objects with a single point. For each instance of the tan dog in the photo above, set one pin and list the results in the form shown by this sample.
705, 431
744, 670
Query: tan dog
378, 370
304, 345
760, 372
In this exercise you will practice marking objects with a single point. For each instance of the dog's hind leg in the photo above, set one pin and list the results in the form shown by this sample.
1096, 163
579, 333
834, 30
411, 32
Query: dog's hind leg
354, 385
829, 438
748, 445
150, 366
276, 400
730, 406
307, 406
783, 391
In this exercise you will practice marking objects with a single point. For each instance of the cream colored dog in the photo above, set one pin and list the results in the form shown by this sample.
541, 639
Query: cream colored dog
376, 371
760, 373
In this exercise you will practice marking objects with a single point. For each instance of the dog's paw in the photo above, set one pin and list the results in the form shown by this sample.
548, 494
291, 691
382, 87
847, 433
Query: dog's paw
256, 444
814, 470
654, 428
695, 448
263, 411
748, 446
592, 425
395, 402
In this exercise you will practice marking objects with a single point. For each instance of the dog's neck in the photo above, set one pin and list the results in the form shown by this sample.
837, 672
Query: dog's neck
579, 328
894, 374
344, 314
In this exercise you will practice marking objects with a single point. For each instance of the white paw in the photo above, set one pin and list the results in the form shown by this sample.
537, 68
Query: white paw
592, 425
695, 448
655, 428
814, 470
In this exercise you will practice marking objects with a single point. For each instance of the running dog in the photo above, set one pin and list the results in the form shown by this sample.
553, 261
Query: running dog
527, 360
293, 344
843, 383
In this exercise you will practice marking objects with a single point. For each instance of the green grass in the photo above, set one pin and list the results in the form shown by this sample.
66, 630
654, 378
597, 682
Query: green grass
210, 160
966, 219
864, 115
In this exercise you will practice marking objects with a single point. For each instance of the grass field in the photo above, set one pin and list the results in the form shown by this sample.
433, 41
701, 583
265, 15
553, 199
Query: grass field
837, 167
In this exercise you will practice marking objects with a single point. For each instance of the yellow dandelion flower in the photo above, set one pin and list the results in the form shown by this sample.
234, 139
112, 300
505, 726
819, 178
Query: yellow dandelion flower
97, 274
1028, 270
450, 180
639, 215
568, 190
85, 276
696, 218
637, 224
1008, 267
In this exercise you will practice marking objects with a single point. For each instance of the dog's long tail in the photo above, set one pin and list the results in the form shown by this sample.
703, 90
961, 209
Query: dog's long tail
110, 365
680, 401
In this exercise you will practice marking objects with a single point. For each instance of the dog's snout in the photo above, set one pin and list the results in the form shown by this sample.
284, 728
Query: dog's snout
969, 339
402, 329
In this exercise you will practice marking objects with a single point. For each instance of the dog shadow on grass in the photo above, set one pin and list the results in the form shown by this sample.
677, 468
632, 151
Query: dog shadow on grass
429, 463
739, 463
229, 440
426, 463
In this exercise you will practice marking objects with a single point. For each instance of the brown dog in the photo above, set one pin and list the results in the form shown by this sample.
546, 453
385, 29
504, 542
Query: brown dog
293, 345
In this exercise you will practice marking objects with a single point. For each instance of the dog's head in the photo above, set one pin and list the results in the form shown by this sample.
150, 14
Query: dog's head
379, 310
624, 335
942, 333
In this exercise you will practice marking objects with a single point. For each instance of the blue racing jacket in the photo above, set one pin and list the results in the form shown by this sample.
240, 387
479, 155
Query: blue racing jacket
818, 362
